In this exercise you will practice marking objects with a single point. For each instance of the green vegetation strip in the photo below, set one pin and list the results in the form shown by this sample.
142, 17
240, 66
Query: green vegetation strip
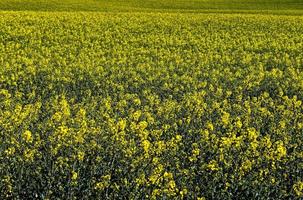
255, 6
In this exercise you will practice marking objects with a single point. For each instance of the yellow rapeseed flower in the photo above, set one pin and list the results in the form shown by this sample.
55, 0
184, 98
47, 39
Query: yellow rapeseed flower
74, 175
27, 136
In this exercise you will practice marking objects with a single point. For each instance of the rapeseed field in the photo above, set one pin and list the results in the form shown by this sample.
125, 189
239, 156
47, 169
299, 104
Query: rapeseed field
139, 105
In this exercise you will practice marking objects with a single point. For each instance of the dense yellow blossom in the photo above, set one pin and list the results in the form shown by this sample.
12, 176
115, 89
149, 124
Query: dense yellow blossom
27, 136
74, 175
298, 188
